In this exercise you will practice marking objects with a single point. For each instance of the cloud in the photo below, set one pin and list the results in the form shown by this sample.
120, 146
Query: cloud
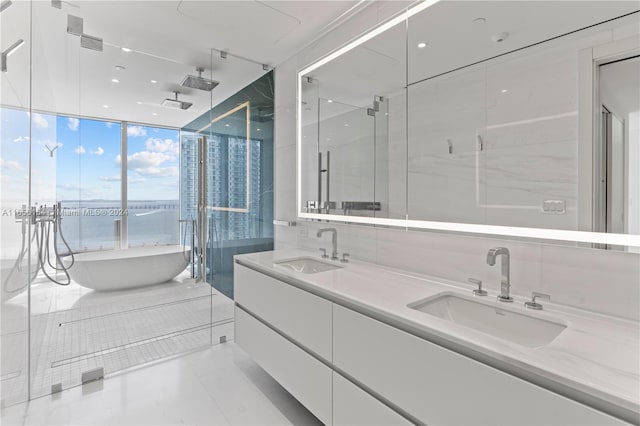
109, 124
114, 178
73, 124
10, 165
98, 151
21, 139
80, 150
39, 121
143, 159
162, 145
136, 131
158, 171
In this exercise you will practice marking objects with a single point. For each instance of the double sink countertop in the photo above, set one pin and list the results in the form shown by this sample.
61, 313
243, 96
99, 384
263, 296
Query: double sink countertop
594, 360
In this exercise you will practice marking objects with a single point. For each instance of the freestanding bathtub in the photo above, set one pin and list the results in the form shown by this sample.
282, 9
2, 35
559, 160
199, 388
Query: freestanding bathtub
129, 268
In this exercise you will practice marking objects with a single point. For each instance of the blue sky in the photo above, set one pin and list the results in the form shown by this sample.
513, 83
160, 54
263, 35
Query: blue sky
87, 157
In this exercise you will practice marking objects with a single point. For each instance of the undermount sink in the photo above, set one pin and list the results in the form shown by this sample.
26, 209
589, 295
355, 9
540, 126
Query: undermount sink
489, 318
307, 265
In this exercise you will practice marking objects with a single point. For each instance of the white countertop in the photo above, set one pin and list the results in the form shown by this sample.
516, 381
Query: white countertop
595, 360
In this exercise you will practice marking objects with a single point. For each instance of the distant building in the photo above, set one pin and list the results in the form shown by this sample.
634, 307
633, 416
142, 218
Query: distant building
226, 184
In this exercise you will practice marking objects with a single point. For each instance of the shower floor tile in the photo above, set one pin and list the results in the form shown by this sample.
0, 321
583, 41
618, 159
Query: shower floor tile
75, 330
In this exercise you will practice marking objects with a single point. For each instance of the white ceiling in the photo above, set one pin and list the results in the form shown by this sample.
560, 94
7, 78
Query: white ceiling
454, 41
168, 40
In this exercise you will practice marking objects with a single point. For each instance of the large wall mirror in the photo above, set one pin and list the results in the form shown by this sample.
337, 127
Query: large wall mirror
513, 118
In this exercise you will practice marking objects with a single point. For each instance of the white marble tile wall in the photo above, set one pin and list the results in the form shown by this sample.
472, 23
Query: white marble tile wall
601, 281
607, 282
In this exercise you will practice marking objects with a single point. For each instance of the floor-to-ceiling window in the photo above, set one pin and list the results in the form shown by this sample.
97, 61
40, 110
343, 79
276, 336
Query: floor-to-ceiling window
153, 155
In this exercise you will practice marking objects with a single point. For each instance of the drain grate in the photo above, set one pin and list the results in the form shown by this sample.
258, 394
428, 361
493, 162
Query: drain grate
103, 352
128, 311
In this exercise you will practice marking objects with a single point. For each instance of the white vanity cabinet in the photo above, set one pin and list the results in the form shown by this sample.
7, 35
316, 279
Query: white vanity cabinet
350, 369
302, 375
353, 406
303, 316
439, 386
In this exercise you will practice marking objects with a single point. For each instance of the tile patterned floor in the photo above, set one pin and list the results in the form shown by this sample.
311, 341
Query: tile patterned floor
219, 385
75, 329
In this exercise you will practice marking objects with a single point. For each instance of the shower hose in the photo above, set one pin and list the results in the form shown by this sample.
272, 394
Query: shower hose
42, 238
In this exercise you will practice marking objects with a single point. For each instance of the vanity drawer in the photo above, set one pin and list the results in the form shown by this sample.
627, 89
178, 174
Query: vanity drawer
303, 316
353, 406
302, 375
439, 386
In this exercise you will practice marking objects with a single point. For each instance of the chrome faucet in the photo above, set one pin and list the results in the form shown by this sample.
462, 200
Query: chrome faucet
334, 240
505, 284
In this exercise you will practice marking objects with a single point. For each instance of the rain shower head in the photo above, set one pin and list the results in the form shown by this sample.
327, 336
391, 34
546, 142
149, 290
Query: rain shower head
199, 82
175, 103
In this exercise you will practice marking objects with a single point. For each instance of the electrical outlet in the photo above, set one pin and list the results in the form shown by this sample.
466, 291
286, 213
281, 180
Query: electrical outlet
554, 206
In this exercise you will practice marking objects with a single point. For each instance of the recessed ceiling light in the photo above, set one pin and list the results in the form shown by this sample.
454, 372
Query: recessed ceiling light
479, 21
154, 113
105, 106
226, 125
422, 45
126, 49
504, 91
329, 100
258, 129
115, 80
119, 68
154, 81
346, 124
139, 102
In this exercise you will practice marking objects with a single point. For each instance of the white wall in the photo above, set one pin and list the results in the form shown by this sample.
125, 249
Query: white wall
607, 282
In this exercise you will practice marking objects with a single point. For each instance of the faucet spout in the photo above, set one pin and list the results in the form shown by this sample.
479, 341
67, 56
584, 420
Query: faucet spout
505, 280
334, 240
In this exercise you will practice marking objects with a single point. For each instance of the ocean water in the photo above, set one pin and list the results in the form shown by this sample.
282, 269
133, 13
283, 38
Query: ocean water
91, 225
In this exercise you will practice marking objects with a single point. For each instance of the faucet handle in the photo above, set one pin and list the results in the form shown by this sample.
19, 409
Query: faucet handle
344, 258
535, 305
479, 291
324, 253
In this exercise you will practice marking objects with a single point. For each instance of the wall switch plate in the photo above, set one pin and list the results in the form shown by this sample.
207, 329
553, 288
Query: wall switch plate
554, 206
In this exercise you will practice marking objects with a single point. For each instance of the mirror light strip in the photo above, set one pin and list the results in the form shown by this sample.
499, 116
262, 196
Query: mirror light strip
490, 230
512, 231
